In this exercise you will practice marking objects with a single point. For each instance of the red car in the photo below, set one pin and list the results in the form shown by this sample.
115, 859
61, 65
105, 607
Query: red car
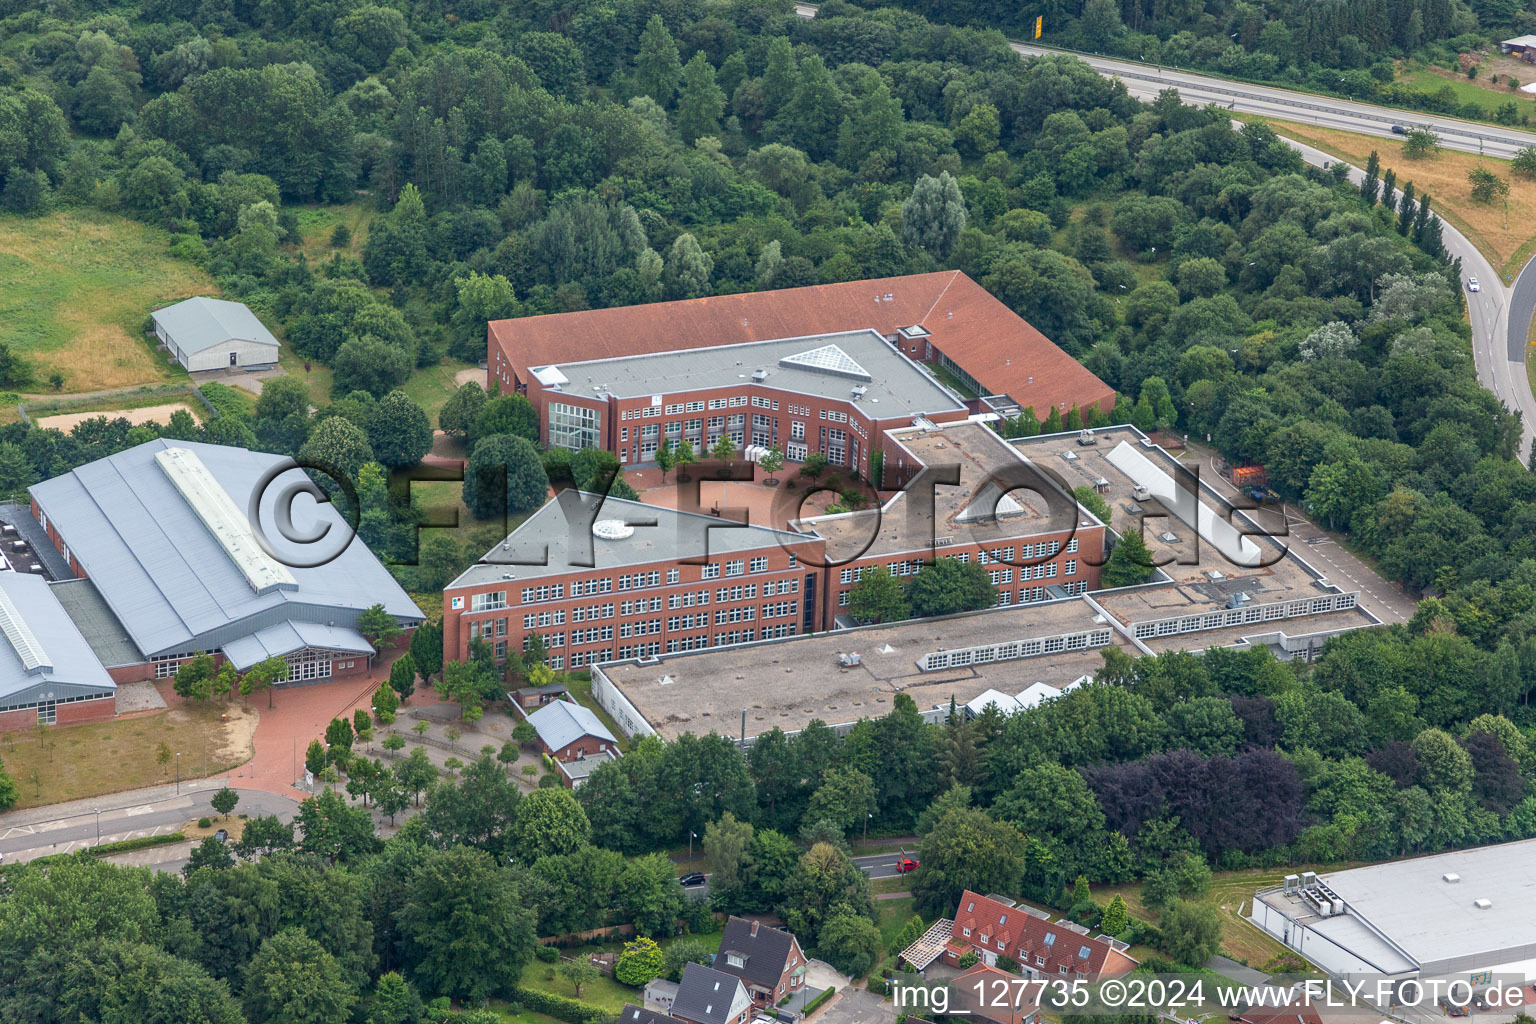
906, 864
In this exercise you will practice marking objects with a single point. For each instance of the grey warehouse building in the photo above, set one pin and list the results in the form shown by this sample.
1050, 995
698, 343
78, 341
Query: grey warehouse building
1461, 916
215, 334
48, 673
171, 566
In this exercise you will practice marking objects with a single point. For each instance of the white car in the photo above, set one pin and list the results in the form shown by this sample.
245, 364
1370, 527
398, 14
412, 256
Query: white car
1473, 286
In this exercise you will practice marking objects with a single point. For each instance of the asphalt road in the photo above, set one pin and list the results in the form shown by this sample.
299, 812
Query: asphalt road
23, 838
1145, 81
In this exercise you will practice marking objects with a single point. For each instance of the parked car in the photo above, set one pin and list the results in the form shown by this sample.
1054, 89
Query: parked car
906, 864
222, 835
1473, 286
692, 879
1398, 129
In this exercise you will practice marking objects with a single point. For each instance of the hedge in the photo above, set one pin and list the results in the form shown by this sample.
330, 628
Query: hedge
826, 994
558, 1007
141, 843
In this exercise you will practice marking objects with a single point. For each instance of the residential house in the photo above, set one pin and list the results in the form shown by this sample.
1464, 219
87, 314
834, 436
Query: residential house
633, 1014
568, 731
983, 992
708, 996
993, 926
768, 961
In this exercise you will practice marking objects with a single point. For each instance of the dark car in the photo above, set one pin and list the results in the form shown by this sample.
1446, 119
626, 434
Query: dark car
692, 879
1398, 129
222, 835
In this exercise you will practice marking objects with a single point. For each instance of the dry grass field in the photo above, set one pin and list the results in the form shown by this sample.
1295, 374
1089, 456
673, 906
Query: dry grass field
75, 289
80, 761
1444, 177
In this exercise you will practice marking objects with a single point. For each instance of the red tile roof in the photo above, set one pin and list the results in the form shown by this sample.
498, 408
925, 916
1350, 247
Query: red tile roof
995, 995
1037, 944
976, 331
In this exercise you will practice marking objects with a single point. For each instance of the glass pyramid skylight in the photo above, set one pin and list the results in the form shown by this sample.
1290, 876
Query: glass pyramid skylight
828, 359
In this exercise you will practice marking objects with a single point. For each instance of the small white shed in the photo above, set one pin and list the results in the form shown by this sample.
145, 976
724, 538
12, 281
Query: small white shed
215, 334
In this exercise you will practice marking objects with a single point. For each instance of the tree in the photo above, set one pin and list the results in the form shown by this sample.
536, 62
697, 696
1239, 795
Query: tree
385, 702
949, 586
338, 447
333, 829
507, 414
771, 461
225, 800
580, 972
195, 678
370, 364
934, 215
846, 797
377, 625
395, 1001
264, 675
688, 268
338, 738
399, 431
683, 952
878, 597
1191, 932
849, 942
1370, 184
1487, 187
210, 853
658, 67
815, 465
549, 822
1419, 143
724, 449
966, 850
416, 773
402, 675
1525, 162
665, 458
701, 102
293, 980
426, 651
466, 927
1129, 564
641, 961
1116, 918
314, 757
264, 835
504, 477
824, 883
463, 408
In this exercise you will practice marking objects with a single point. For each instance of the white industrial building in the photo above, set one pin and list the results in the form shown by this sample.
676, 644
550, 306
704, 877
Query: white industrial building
1468, 915
215, 334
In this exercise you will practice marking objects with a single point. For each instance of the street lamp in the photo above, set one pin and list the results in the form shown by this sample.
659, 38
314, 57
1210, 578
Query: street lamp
98, 824
691, 837
178, 773
866, 825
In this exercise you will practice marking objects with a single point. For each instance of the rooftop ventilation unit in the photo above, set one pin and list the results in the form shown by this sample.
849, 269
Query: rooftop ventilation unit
1451, 877
33, 658
1140, 493
1086, 437
759, 375
858, 391
848, 660
1483, 904
1238, 601
1292, 883
224, 520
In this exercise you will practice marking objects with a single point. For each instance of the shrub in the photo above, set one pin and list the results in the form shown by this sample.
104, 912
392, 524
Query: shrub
548, 954
814, 1003
968, 960
558, 1007
204, 822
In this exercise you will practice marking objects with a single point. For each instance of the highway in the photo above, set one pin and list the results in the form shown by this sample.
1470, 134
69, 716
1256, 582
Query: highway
1145, 81
1500, 313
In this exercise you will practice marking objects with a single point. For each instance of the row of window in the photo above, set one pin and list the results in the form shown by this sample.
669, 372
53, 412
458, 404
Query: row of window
495, 600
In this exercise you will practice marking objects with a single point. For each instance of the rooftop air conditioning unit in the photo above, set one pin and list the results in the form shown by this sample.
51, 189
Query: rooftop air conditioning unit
1483, 904
759, 375
1451, 877
1140, 493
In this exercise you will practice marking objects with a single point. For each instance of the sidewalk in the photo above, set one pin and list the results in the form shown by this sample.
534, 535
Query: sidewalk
114, 801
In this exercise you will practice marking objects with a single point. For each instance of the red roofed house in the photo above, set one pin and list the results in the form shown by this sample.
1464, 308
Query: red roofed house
943, 318
990, 994
1042, 948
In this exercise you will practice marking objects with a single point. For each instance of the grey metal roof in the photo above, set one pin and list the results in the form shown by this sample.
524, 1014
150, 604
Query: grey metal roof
824, 366
705, 995
43, 634
633, 1014
560, 722
97, 623
288, 637
541, 546
201, 323
580, 769
169, 580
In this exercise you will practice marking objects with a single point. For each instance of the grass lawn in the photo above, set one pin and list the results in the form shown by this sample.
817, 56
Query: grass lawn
901, 883
149, 395
317, 377
318, 221
604, 993
894, 915
1231, 892
107, 757
76, 288
431, 386
1468, 90
1444, 177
